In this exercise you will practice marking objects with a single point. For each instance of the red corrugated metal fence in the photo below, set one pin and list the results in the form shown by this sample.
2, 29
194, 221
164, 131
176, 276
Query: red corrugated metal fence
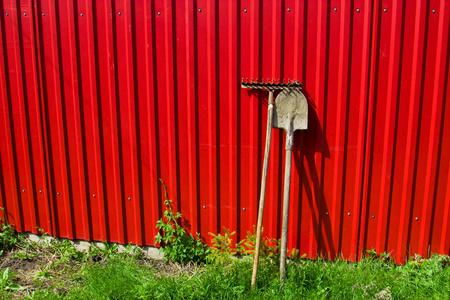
99, 99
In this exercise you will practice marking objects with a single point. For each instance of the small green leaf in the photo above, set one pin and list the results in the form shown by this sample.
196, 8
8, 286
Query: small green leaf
14, 287
6, 274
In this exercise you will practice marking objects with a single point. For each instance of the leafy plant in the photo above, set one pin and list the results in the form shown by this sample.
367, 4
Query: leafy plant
222, 249
295, 255
65, 251
134, 251
8, 235
384, 257
176, 244
6, 281
268, 248
44, 274
105, 252
24, 254
371, 254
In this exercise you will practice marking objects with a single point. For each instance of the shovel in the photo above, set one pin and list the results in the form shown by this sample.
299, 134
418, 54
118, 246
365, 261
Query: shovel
291, 113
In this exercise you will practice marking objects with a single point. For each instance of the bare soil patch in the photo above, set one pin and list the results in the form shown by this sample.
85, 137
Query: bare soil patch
47, 268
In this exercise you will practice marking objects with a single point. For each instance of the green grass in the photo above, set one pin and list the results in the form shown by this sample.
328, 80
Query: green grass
126, 278
56, 270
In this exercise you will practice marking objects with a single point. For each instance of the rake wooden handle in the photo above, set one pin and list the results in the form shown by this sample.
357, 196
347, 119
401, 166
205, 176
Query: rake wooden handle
263, 187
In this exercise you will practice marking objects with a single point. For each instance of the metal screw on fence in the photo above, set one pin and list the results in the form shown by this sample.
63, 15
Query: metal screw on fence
417, 219
40, 191
326, 213
243, 208
43, 14
57, 193
245, 10
385, 10
24, 14
335, 9
433, 11
23, 191
159, 12
129, 198
199, 10
348, 214
93, 195
288, 9
119, 13
204, 207
373, 217
81, 14
357, 10
7, 14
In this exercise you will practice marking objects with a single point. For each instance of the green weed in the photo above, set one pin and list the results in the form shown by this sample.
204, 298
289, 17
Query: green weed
307, 279
25, 254
6, 281
96, 252
176, 244
112, 279
8, 235
222, 249
268, 248
64, 272
65, 251
126, 276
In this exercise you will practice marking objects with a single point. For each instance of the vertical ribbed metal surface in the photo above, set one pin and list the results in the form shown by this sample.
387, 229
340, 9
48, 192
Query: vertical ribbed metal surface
407, 164
99, 99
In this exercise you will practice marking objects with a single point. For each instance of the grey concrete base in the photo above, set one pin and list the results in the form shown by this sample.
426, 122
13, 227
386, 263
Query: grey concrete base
151, 252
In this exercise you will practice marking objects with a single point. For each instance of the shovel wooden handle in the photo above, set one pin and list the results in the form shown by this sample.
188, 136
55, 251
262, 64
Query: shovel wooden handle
287, 190
263, 187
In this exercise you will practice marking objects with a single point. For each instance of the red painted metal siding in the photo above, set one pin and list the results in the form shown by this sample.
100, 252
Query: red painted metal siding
99, 99
406, 177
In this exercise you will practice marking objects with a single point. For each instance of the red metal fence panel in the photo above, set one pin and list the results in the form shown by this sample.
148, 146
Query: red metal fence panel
99, 99
407, 166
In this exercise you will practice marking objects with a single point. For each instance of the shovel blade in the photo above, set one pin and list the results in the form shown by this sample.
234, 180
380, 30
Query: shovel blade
291, 109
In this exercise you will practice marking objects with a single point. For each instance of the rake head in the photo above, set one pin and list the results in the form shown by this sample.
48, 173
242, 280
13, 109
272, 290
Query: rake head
270, 86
